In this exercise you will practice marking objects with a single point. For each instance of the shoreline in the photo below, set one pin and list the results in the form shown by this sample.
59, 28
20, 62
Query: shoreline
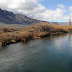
14, 41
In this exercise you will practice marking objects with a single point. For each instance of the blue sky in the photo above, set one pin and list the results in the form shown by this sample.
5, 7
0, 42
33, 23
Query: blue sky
52, 5
47, 10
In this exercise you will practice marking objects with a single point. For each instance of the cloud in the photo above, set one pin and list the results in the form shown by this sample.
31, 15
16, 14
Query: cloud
61, 6
33, 9
70, 8
53, 14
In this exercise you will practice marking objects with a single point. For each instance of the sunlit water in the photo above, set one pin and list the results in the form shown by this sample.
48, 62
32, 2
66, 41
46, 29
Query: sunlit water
50, 54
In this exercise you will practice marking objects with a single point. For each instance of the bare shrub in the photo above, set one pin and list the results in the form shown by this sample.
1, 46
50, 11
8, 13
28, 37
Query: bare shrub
7, 29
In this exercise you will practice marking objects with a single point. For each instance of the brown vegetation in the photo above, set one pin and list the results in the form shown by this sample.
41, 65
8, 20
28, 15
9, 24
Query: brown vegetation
34, 31
7, 29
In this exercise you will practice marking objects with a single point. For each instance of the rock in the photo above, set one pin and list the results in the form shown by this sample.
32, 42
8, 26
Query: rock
37, 37
13, 41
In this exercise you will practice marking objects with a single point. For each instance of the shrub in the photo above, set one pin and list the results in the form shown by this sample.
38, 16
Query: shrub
7, 29
25, 36
34, 31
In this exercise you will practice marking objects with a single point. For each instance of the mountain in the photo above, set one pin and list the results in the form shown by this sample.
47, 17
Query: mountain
8, 17
62, 23
11, 18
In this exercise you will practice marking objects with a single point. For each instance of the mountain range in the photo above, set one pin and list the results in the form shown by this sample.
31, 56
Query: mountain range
61, 23
9, 17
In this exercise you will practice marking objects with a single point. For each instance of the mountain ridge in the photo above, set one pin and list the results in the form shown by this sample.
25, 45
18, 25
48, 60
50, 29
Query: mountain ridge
9, 17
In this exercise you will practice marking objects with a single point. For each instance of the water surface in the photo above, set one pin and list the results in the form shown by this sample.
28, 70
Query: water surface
50, 54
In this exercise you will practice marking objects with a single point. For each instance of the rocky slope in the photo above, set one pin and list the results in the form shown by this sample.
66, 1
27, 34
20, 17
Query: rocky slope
11, 18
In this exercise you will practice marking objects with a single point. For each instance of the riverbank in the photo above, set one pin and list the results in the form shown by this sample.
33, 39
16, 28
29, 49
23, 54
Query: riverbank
9, 35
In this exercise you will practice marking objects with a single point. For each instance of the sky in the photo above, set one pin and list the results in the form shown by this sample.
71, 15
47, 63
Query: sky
47, 10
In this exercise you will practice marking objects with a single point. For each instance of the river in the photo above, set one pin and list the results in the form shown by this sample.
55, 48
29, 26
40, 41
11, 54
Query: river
50, 54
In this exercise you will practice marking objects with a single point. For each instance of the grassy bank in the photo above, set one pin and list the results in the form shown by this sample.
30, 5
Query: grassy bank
10, 35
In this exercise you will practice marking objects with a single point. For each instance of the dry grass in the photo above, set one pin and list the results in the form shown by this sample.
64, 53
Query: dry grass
25, 36
34, 31
51, 27
7, 29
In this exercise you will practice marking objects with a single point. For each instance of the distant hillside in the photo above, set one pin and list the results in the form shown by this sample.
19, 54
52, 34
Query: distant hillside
11, 18
61, 23
8, 17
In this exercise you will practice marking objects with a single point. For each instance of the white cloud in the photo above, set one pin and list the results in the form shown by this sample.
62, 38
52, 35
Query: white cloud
53, 14
69, 16
34, 9
61, 6
70, 8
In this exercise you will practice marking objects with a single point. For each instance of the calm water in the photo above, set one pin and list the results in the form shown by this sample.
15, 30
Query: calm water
51, 54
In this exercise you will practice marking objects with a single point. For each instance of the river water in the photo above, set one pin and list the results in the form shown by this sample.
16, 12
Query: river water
50, 54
